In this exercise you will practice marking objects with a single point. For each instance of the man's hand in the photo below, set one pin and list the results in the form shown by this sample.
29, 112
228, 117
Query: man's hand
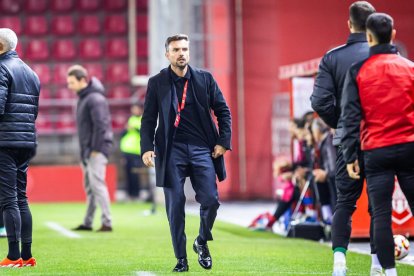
218, 151
320, 175
353, 170
148, 158
94, 153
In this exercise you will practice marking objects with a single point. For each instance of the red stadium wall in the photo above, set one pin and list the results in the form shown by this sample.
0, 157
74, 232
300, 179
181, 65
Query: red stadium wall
62, 183
277, 33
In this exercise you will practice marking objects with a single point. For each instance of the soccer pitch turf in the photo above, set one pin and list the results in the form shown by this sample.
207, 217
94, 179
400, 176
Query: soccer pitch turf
141, 245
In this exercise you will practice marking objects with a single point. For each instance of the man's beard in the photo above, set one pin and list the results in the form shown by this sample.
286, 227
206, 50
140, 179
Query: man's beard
181, 66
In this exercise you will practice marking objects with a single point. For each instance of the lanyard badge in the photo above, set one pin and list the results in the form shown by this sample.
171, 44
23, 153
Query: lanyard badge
181, 106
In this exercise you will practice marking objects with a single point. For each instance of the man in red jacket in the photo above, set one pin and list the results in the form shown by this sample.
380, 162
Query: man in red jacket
377, 107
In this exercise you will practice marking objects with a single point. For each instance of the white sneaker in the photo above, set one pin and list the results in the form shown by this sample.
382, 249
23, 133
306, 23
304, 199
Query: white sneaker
339, 269
376, 271
3, 233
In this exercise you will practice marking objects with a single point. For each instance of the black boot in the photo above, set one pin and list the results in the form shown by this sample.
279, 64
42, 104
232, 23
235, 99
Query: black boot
182, 265
204, 257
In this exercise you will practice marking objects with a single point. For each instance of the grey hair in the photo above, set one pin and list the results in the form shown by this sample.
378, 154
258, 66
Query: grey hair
8, 38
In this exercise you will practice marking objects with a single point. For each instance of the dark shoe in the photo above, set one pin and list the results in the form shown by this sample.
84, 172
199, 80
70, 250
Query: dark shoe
82, 228
104, 228
204, 257
182, 265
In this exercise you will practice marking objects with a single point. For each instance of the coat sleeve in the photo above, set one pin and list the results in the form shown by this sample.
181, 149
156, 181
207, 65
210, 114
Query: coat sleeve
352, 115
222, 112
149, 118
4, 88
100, 115
323, 99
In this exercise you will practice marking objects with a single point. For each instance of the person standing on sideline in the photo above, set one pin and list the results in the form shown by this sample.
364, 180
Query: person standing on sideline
19, 106
95, 140
326, 99
131, 149
377, 109
179, 100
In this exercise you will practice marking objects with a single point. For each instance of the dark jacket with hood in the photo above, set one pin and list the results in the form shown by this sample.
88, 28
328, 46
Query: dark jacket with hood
161, 109
19, 101
93, 120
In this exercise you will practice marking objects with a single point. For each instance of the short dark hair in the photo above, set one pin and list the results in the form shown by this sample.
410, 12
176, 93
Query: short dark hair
175, 38
78, 72
358, 14
381, 26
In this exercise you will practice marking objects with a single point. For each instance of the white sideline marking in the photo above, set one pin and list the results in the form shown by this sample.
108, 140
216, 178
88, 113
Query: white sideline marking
144, 273
62, 230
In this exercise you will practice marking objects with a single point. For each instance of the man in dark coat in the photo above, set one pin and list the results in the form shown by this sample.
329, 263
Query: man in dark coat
377, 110
326, 99
187, 144
95, 140
19, 102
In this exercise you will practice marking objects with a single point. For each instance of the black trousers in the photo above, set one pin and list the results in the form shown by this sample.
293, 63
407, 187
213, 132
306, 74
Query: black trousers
194, 162
13, 200
381, 167
283, 206
348, 192
133, 161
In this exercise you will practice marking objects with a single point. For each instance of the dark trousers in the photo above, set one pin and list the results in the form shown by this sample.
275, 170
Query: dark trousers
194, 162
381, 167
283, 206
133, 163
348, 191
13, 200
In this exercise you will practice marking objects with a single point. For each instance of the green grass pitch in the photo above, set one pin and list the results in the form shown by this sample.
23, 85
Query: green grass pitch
141, 245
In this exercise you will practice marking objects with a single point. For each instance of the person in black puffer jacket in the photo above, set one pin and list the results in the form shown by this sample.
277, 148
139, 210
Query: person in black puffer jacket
19, 103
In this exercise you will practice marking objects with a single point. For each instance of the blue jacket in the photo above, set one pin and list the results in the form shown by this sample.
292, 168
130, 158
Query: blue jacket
161, 109
19, 102
327, 92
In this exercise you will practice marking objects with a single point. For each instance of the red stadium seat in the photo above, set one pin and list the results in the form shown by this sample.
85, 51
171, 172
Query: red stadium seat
11, 23
44, 123
19, 49
111, 5
119, 119
88, 5
64, 49
43, 71
117, 72
95, 70
64, 94
119, 92
36, 25
63, 25
65, 122
89, 25
36, 6
142, 47
62, 5
10, 6
116, 48
90, 49
44, 95
142, 23
60, 73
37, 49
115, 24
142, 68
142, 5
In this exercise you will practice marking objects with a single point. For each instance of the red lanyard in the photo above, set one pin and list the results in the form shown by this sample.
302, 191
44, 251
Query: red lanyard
181, 107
